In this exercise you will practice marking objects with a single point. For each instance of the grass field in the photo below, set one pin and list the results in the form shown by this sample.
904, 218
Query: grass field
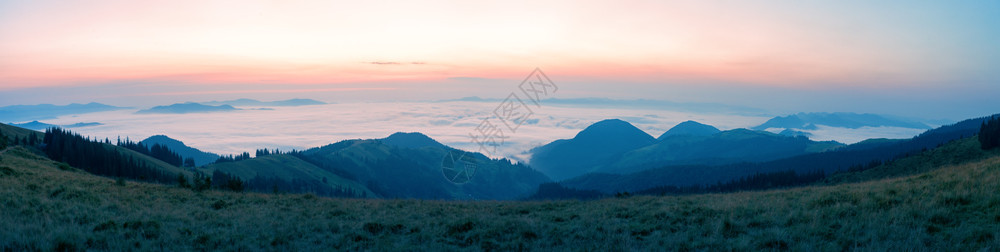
954, 207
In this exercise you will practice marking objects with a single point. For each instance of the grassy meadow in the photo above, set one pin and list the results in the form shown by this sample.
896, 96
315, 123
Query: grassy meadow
48, 206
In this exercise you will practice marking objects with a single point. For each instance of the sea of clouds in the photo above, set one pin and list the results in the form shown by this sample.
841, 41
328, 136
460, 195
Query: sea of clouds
449, 122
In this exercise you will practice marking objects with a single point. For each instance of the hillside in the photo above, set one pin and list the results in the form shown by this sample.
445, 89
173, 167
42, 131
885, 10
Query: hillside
200, 157
599, 143
12, 132
617, 147
416, 169
725, 147
953, 207
879, 150
290, 170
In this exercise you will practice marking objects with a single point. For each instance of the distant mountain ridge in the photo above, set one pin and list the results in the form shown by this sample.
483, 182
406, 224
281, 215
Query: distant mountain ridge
809, 121
411, 140
600, 142
838, 159
399, 167
615, 146
251, 102
23, 113
690, 128
187, 107
36, 125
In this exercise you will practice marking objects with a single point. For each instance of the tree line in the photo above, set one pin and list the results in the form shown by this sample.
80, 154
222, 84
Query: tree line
156, 151
97, 157
233, 158
989, 133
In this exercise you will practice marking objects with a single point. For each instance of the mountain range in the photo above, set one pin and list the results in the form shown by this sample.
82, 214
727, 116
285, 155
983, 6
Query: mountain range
36, 125
23, 113
184, 108
608, 156
402, 165
810, 121
251, 102
615, 146
830, 161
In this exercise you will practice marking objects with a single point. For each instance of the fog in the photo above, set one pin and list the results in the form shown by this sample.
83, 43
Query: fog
449, 122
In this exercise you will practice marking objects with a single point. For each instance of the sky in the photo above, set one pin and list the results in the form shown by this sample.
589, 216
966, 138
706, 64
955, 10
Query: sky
926, 59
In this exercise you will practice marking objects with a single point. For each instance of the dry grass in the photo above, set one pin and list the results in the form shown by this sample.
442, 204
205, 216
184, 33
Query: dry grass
44, 208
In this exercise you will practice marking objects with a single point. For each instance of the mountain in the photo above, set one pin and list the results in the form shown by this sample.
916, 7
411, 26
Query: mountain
614, 146
839, 159
200, 158
411, 140
809, 121
599, 143
794, 133
418, 169
36, 125
251, 102
690, 128
288, 173
188, 107
23, 113
12, 132
725, 147
95, 156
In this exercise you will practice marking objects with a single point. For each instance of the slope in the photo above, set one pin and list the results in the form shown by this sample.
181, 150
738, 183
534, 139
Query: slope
400, 172
828, 162
726, 147
11, 132
954, 207
200, 157
289, 169
599, 143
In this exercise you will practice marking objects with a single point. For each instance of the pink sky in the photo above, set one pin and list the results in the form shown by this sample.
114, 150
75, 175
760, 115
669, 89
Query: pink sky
774, 43
792, 45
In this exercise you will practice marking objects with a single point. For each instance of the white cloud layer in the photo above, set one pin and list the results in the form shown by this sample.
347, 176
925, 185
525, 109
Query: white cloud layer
448, 122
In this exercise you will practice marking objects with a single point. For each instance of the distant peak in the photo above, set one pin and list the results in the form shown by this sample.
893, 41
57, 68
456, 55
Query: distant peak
610, 124
692, 128
612, 128
407, 134
161, 138
411, 140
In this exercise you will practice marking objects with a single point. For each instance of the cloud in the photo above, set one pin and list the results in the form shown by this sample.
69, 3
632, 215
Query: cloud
448, 122
395, 63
